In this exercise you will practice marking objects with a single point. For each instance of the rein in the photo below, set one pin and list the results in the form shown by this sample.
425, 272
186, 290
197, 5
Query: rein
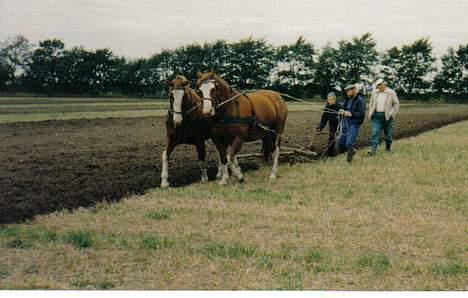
230, 99
216, 102
189, 111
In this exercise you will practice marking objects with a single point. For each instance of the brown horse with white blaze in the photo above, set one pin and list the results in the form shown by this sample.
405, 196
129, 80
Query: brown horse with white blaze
185, 124
239, 118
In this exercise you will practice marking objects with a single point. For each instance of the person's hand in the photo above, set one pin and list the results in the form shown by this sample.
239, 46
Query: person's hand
347, 114
340, 112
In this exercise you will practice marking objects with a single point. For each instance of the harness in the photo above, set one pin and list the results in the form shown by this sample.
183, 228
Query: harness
226, 120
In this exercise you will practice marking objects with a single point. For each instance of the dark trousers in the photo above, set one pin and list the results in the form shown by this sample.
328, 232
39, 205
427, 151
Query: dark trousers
379, 123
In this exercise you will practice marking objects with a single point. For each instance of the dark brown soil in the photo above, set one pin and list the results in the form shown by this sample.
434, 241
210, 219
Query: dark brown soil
51, 165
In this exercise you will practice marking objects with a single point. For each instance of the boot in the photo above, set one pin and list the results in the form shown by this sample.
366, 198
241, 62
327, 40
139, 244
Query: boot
372, 151
341, 148
331, 151
388, 147
351, 153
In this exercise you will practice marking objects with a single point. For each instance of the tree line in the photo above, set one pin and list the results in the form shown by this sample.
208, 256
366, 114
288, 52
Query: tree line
299, 69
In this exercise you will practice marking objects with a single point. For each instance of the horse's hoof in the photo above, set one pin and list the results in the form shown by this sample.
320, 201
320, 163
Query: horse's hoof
204, 179
272, 177
241, 180
164, 184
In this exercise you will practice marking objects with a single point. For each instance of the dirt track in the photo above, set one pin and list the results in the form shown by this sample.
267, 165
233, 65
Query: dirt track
50, 165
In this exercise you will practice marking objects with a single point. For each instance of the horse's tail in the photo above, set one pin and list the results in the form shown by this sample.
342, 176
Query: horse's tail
282, 110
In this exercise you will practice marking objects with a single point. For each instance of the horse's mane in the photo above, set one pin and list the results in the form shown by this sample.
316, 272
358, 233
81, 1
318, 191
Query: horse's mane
193, 95
181, 77
226, 88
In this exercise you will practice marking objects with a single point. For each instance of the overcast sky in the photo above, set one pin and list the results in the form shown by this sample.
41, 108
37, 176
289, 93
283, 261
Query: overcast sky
139, 28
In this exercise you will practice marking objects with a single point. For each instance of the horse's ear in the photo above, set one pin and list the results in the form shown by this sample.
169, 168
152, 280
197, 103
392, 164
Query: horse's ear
185, 83
212, 71
199, 74
169, 83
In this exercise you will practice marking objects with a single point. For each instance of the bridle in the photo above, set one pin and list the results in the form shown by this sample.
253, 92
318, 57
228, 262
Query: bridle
187, 112
216, 102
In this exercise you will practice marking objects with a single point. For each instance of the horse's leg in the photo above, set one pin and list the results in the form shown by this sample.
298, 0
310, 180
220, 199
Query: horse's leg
236, 163
223, 162
275, 156
201, 151
219, 175
232, 159
220, 168
165, 162
266, 147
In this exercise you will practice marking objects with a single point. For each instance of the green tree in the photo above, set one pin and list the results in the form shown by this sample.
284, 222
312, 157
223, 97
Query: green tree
453, 77
251, 62
296, 63
355, 60
15, 55
160, 67
43, 72
5, 75
133, 80
143, 77
75, 67
217, 56
104, 76
409, 68
326, 72
391, 64
189, 59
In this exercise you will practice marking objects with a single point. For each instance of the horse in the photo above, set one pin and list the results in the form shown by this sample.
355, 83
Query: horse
185, 124
241, 117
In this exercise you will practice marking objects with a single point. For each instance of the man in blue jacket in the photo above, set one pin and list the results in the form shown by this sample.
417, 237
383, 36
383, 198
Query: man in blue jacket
354, 109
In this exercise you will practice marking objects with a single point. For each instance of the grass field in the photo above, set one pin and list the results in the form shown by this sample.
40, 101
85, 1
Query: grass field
394, 222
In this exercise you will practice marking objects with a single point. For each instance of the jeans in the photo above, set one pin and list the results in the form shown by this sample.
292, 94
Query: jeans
350, 134
378, 123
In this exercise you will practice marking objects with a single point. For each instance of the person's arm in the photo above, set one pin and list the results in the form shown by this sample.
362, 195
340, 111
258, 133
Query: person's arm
372, 103
323, 120
395, 104
360, 109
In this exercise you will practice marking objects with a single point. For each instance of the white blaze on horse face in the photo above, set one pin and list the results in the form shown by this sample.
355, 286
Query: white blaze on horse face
207, 107
206, 88
177, 106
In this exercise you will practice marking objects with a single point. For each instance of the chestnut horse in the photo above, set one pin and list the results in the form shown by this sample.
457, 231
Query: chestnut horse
185, 124
239, 118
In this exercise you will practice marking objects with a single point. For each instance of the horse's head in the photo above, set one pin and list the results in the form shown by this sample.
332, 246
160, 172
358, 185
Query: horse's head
178, 90
213, 89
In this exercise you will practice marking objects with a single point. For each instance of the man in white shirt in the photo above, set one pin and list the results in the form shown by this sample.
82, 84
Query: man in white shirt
383, 106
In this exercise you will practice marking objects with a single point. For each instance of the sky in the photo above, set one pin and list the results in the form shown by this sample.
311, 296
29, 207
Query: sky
140, 28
